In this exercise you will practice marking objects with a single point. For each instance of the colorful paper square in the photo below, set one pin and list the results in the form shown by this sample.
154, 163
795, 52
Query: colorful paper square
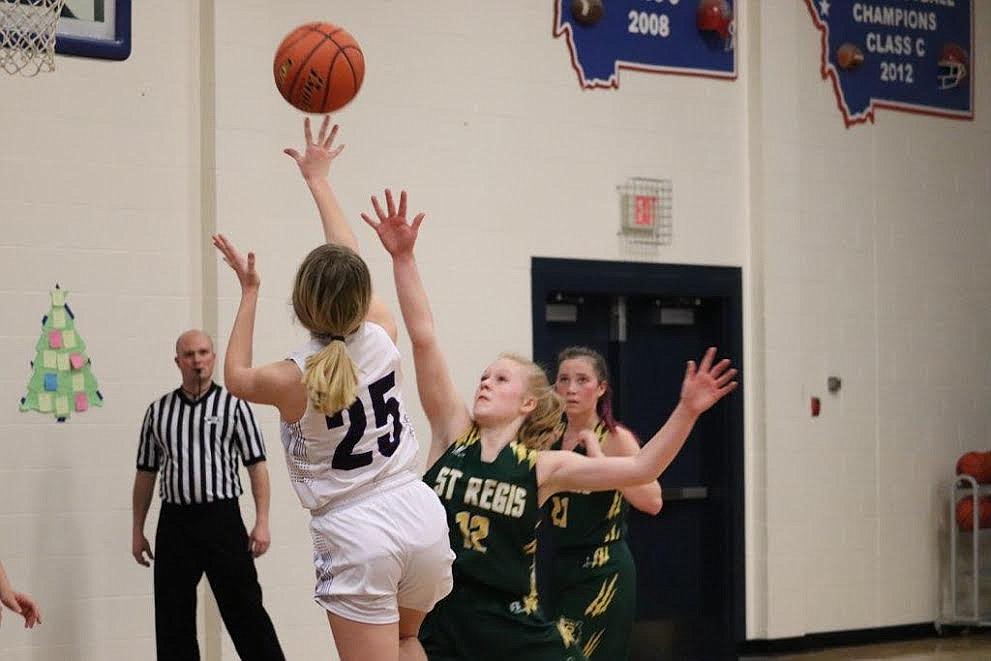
44, 402
61, 405
51, 382
55, 339
77, 361
58, 298
58, 318
63, 362
82, 403
78, 382
48, 359
69, 338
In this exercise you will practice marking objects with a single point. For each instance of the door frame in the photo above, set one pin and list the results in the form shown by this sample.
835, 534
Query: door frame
549, 274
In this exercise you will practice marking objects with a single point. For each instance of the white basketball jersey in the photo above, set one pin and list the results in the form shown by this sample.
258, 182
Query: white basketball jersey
332, 458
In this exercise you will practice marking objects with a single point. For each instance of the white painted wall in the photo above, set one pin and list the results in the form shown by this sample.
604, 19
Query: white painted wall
862, 252
98, 190
873, 244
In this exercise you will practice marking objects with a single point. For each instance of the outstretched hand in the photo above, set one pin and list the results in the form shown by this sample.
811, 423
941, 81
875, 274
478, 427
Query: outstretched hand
314, 162
708, 383
243, 267
23, 605
396, 234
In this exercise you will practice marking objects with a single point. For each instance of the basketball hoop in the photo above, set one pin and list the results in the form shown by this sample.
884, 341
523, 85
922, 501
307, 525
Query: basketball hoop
27, 35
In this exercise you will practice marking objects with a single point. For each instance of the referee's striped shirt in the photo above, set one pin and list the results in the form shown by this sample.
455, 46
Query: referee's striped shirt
196, 445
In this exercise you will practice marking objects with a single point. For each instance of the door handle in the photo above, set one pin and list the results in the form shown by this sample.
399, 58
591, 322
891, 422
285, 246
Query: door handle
684, 493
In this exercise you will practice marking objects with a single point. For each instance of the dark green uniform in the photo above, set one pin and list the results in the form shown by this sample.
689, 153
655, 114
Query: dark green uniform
492, 612
591, 580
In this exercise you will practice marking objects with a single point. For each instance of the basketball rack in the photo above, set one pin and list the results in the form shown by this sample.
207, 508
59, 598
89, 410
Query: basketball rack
27, 35
966, 602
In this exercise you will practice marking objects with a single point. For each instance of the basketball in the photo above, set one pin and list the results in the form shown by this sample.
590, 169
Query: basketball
319, 67
965, 513
977, 465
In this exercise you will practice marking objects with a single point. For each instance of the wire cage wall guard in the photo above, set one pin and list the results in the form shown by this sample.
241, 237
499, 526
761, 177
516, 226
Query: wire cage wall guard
645, 215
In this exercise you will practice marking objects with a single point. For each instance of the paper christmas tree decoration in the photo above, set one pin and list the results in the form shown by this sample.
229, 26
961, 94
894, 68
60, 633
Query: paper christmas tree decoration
63, 380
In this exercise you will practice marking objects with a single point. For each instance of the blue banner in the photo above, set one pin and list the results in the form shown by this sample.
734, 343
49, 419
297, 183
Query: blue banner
910, 55
693, 37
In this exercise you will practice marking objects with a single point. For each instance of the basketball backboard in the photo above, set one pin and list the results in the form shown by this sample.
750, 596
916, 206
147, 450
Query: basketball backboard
95, 28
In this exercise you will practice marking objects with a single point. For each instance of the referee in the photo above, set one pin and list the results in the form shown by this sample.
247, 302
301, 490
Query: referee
193, 436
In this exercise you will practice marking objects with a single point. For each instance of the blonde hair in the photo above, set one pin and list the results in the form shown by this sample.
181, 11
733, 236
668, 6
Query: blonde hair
330, 297
542, 426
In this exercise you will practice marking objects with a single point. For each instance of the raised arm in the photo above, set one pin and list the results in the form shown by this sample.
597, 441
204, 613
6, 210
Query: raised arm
702, 387
276, 384
445, 410
314, 166
645, 497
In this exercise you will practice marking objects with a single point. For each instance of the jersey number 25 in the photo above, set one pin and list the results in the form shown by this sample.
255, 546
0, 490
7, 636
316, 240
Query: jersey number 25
344, 456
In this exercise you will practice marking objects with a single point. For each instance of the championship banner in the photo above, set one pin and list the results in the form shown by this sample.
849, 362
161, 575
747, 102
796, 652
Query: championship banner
909, 55
689, 37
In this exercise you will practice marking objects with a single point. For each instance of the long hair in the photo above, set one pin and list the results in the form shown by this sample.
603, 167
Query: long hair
542, 426
330, 297
603, 406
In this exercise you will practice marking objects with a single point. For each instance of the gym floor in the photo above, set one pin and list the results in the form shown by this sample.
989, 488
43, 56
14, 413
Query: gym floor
964, 647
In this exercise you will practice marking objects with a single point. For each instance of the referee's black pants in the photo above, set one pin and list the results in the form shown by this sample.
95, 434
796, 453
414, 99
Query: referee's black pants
210, 538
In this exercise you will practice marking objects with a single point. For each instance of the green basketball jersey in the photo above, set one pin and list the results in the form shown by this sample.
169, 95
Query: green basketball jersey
591, 581
492, 515
588, 520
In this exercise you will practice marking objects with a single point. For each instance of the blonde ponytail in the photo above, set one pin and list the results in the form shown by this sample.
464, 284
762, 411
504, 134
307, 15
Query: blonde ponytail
330, 297
331, 379
543, 426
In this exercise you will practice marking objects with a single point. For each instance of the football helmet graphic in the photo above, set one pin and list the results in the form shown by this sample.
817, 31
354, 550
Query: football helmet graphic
952, 66
716, 16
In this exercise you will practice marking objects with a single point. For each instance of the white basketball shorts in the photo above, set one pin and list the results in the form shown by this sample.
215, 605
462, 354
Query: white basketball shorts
376, 554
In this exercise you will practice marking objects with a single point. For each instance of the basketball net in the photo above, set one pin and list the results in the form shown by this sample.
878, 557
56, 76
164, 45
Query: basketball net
27, 35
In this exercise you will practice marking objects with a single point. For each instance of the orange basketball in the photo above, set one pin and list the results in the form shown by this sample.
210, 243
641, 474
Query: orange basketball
319, 67
977, 465
965, 513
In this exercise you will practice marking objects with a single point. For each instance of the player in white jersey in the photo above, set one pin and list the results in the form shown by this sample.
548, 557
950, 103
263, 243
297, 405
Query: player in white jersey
381, 547
359, 450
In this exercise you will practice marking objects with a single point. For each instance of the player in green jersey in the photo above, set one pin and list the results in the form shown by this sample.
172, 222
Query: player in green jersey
489, 466
589, 585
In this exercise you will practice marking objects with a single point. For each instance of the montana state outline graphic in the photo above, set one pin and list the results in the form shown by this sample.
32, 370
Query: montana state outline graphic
912, 56
687, 37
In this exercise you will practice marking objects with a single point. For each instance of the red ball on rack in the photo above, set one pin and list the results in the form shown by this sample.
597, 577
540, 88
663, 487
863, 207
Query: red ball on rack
977, 465
965, 513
